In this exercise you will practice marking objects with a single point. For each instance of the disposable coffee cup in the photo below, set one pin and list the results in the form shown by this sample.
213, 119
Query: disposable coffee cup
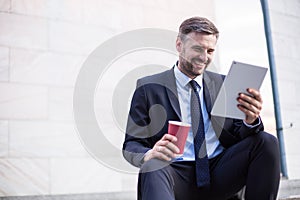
180, 130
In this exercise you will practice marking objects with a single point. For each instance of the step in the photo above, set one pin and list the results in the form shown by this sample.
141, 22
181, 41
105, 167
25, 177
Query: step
93, 196
288, 190
291, 198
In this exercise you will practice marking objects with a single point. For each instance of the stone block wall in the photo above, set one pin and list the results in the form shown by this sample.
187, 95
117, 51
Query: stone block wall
285, 22
43, 44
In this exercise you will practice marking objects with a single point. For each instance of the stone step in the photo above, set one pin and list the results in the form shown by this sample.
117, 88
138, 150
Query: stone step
100, 196
93, 196
288, 190
291, 198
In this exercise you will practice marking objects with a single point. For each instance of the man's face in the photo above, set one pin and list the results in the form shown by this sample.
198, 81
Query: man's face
195, 53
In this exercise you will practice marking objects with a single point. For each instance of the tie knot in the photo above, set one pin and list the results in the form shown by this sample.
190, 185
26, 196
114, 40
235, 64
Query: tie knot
194, 85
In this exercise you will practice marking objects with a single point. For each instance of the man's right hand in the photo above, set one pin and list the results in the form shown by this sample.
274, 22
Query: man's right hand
164, 149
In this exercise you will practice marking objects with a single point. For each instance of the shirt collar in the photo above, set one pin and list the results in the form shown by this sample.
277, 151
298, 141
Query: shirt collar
184, 79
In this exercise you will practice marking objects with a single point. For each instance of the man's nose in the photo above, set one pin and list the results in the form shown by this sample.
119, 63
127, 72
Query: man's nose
203, 56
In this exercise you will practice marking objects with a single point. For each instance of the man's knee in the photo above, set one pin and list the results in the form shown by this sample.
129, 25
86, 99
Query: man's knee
155, 180
268, 144
268, 139
153, 165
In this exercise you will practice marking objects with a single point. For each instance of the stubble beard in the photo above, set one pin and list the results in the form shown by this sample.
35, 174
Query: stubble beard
188, 68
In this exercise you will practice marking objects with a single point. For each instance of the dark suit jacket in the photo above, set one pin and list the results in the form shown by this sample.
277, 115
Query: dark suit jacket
155, 102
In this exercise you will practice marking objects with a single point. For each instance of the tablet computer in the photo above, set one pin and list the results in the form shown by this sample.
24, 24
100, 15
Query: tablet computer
240, 77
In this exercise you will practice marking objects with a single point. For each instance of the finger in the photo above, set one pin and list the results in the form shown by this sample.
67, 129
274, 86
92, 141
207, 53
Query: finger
173, 147
249, 106
169, 137
166, 151
256, 94
252, 96
252, 116
154, 153
249, 101
245, 110
159, 153
167, 147
161, 156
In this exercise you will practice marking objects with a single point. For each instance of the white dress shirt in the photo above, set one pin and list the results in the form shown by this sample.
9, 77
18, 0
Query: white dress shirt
184, 90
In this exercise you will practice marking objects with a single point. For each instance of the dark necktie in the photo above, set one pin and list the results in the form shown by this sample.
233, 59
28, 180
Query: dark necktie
201, 159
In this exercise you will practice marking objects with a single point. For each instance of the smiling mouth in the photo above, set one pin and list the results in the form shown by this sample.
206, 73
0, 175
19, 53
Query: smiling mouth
197, 63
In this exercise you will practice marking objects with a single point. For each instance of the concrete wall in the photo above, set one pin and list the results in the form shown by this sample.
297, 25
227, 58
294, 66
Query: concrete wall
242, 38
43, 44
285, 22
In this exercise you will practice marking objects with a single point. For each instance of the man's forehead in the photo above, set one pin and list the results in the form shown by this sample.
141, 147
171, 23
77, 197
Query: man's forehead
195, 37
203, 43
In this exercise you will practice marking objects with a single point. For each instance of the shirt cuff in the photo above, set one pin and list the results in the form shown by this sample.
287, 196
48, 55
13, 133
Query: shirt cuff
252, 126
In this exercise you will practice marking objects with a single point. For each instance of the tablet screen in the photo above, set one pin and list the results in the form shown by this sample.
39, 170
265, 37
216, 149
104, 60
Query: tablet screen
240, 77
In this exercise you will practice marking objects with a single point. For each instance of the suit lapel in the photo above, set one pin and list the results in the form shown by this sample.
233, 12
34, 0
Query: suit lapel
212, 84
210, 91
170, 84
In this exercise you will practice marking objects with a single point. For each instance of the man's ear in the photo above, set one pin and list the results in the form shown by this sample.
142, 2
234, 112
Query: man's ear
179, 44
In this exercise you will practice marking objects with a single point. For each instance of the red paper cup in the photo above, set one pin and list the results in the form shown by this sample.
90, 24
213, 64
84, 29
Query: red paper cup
180, 130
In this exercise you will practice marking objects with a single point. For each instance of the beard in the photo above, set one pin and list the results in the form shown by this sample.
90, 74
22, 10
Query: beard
194, 67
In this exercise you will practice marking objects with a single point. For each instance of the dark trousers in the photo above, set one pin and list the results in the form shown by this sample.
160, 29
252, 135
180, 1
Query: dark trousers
253, 162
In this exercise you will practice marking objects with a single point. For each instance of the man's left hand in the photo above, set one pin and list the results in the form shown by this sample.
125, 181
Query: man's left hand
250, 104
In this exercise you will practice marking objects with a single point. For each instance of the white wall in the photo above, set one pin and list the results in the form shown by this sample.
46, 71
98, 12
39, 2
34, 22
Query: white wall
43, 44
243, 39
285, 21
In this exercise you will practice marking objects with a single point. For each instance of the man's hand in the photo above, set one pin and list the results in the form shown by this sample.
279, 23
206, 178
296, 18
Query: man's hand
250, 105
164, 149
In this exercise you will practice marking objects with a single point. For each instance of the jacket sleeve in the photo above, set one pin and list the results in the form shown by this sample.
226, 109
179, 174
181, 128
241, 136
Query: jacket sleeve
231, 131
137, 142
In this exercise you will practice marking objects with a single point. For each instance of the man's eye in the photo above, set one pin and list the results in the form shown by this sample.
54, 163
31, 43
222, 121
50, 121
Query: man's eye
210, 51
198, 49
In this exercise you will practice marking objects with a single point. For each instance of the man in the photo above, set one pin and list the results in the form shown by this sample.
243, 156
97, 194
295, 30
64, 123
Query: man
221, 155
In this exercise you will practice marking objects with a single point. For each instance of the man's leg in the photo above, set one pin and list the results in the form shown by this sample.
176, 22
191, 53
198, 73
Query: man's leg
155, 181
253, 162
264, 171
168, 181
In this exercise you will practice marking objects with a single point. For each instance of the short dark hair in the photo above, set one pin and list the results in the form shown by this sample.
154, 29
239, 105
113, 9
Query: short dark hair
198, 25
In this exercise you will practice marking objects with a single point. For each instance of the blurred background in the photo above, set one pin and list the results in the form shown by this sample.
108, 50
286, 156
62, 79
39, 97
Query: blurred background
44, 43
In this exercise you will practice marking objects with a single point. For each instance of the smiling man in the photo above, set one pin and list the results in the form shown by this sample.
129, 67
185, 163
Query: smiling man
221, 155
